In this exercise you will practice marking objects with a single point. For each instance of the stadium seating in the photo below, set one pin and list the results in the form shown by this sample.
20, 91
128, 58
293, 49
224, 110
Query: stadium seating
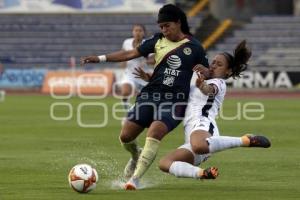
49, 40
275, 41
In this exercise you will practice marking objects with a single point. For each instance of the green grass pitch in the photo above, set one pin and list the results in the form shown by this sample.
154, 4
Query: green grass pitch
37, 152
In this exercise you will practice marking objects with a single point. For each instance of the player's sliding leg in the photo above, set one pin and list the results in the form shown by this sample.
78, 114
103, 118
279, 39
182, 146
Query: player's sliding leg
156, 132
203, 143
220, 143
180, 163
250, 140
127, 138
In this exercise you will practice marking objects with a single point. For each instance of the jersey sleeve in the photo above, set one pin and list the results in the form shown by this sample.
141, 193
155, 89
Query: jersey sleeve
148, 46
219, 84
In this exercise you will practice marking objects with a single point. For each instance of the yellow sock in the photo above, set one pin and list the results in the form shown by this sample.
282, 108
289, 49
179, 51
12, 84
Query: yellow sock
147, 157
132, 147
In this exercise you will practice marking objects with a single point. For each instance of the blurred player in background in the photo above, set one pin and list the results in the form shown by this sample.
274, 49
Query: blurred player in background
166, 94
129, 84
1, 69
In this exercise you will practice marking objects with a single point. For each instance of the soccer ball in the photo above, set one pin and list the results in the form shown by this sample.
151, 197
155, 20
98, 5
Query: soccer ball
83, 178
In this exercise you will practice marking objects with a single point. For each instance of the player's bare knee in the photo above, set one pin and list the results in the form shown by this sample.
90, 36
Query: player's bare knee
165, 164
200, 147
157, 131
155, 134
125, 137
199, 143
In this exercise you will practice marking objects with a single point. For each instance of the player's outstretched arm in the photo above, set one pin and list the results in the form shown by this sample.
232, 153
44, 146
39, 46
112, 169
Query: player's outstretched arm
203, 70
206, 89
118, 56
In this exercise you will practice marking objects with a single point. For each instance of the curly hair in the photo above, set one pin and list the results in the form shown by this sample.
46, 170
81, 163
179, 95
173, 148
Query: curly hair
238, 61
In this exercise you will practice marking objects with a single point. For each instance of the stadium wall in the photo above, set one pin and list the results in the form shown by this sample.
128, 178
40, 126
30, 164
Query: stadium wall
245, 9
94, 81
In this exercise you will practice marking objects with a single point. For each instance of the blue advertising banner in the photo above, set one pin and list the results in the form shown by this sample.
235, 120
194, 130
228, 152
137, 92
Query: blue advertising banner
71, 3
22, 78
103, 4
81, 5
9, 3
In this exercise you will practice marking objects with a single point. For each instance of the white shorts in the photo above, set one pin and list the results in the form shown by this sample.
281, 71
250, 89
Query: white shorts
202, 123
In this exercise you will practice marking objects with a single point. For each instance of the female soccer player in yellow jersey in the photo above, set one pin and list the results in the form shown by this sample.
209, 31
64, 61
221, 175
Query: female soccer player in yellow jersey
176, 53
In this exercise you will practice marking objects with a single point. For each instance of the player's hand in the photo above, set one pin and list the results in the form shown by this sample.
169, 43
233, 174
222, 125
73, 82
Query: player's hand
140, 73
89, 59
203, 70
199, 80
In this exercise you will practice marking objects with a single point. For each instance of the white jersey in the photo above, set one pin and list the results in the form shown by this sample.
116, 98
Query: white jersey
201, 113
201, 105
132, 64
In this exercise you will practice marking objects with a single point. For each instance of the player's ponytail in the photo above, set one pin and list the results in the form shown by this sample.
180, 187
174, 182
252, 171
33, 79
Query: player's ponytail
184, 24
238, 61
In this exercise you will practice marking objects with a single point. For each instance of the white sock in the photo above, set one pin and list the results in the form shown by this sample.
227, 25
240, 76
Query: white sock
219, 143
184, 169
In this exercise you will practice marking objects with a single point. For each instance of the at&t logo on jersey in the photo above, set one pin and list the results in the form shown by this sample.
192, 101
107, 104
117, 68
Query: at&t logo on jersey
174, 62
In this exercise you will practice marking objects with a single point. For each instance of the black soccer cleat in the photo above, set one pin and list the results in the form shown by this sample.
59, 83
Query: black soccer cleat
258, 141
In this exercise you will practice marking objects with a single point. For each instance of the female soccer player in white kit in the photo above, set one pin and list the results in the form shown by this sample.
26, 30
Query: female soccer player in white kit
202, 137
